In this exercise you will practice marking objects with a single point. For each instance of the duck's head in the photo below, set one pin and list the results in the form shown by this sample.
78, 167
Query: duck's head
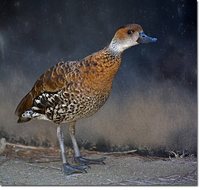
128, 36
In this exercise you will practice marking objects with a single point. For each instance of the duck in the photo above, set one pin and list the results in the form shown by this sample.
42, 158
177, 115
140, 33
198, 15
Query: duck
72, 90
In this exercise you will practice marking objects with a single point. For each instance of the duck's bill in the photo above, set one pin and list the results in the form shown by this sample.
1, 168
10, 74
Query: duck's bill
143, 38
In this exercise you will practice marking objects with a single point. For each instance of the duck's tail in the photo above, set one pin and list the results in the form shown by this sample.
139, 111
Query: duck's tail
24, 105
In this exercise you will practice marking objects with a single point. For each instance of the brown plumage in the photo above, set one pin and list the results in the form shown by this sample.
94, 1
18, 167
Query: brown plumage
90, 78
73, 90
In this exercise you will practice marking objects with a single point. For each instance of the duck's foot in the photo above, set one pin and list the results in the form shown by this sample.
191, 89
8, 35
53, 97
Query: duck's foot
86, 161
71, 169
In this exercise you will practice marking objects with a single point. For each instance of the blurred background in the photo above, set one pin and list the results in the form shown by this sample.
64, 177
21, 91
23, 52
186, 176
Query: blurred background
153, 104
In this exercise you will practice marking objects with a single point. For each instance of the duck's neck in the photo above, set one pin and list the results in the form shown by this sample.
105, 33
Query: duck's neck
111, 59
114, 48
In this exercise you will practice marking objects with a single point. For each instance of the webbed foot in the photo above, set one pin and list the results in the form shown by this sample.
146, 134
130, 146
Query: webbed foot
72, 169
86, 161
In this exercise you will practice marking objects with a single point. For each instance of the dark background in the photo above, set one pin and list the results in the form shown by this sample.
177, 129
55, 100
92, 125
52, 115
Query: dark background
154, 98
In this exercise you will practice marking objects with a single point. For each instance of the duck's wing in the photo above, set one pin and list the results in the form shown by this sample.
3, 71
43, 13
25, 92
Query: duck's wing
52, 81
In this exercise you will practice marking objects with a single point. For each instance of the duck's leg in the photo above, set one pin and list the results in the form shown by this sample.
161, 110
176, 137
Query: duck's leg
77, 156
67, 168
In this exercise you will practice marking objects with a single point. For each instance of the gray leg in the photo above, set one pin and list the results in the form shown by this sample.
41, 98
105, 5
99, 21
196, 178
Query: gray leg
61, 143
77, 156
67, 168
74, 142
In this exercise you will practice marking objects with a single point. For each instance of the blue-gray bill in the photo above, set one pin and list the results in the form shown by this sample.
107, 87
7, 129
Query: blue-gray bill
143, 38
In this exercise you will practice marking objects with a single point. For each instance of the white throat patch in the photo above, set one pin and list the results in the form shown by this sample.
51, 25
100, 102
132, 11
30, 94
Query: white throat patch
118, 47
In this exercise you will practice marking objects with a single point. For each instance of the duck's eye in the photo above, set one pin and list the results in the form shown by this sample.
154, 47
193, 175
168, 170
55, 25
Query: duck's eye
130, 32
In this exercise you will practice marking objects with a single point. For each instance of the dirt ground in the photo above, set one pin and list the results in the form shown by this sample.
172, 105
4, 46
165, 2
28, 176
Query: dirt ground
118, 170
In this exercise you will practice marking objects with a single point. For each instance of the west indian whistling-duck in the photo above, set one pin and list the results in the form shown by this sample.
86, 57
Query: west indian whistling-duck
73, 90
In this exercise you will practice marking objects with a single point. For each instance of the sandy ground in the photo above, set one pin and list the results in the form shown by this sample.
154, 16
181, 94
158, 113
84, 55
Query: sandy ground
119, 170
